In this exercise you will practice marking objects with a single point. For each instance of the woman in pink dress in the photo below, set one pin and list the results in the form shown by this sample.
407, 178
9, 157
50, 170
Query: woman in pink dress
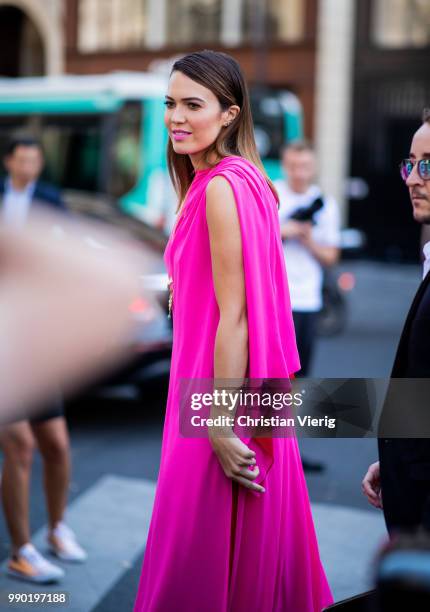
231, 528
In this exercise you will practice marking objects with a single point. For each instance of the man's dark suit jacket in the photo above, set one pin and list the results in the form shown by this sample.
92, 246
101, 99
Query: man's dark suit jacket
405, 463
44, 194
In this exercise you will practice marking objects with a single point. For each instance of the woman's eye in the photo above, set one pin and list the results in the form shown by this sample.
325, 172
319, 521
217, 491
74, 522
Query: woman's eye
171, 104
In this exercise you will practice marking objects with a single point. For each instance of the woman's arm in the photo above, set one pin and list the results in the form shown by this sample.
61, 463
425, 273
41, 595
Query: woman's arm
231, 343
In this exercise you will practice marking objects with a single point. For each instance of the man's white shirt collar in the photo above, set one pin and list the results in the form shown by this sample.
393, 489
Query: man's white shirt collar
426, 251
16, 204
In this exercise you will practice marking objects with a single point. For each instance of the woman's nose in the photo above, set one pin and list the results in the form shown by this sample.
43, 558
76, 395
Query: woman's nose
177, 116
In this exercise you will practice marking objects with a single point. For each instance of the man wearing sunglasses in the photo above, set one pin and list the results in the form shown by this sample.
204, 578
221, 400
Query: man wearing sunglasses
400, 481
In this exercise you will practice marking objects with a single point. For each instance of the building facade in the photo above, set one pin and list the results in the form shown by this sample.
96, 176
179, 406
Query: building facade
32, 37
391, 88
274, 41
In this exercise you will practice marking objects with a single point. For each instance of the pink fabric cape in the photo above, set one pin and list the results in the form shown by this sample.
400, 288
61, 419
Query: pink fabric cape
275, 559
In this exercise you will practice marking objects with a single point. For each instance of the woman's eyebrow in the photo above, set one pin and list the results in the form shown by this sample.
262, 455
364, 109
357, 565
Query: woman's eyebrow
186, 99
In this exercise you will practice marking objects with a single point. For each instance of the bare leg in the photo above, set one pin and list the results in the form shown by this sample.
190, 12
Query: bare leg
17, 442
53, 441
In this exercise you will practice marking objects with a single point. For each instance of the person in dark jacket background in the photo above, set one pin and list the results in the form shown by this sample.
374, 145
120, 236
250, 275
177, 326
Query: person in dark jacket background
21, 191
400, 481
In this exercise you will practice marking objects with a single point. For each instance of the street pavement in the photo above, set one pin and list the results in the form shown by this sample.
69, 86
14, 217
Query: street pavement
116, 446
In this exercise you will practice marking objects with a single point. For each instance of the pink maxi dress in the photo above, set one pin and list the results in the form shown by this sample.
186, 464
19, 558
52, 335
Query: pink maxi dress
192, 563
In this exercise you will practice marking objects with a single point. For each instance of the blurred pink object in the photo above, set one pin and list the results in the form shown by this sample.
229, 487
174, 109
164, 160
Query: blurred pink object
198, 527
64, 313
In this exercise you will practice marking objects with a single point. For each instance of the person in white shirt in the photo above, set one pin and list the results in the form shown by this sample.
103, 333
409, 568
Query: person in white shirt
310, 226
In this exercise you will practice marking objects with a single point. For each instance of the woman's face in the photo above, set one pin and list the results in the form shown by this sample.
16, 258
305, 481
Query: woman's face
193, 116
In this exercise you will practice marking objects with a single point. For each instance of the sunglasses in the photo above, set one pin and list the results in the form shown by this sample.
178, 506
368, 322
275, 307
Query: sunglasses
423, 168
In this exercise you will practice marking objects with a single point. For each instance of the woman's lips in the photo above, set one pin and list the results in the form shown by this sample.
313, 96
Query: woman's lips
180, 134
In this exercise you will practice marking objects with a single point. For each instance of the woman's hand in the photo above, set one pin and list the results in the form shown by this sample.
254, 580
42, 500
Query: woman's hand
236, 459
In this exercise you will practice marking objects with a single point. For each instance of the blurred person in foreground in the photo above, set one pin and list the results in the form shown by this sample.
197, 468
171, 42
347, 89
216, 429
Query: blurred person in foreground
401, 577
403, 574
400, 481
77, 325
23, 194
310, 227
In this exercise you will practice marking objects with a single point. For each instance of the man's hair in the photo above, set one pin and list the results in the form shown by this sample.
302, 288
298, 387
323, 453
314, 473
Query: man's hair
22, 141
298, 146
426, 115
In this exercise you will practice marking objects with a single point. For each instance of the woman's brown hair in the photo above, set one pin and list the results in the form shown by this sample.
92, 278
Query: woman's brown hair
221, 74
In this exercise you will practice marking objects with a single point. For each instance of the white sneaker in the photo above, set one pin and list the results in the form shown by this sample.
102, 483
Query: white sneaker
63, 544
28, 564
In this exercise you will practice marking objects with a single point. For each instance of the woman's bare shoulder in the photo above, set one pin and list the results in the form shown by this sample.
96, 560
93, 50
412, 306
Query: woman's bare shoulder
220, 201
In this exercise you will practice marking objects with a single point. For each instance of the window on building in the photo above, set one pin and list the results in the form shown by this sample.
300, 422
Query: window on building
115, 25
401, 23
284, 20
111, 25
193, 21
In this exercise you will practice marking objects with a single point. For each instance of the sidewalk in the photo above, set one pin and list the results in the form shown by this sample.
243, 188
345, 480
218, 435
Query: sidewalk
112, 520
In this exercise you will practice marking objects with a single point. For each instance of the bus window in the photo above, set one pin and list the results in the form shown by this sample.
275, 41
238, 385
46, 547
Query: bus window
71, 143
126, 149
269, 124
73, 151
277, 118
